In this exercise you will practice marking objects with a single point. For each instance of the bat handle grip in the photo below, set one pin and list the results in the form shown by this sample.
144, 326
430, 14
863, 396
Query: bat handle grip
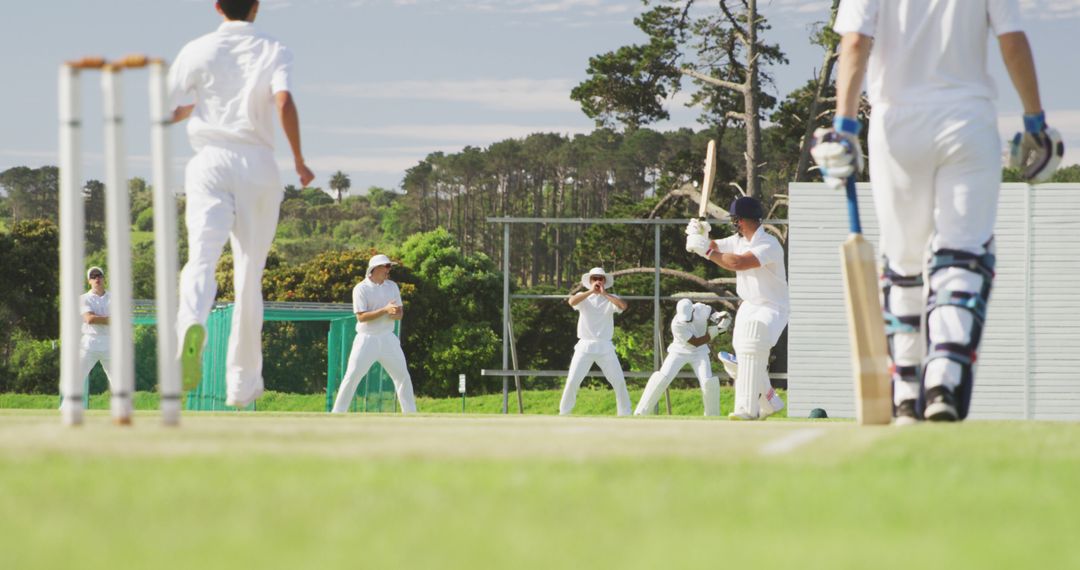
853, 206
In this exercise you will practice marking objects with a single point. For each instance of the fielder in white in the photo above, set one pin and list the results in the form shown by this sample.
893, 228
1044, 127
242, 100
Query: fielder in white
231, 83
757, 259
935, 165
94, 345
377, 304
596, 324
693, 326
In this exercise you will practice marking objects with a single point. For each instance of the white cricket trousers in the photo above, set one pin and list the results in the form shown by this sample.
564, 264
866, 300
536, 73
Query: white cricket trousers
609, 364
936, 173
92, 351
384, 348
659, 381
936, 170
233, 194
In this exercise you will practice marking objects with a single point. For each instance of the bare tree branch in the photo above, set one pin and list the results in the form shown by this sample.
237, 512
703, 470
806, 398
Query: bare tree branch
741, 88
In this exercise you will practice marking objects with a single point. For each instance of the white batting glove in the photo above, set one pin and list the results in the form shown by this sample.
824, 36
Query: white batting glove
837, 152
714, 331
1038, 150
699, 244
722, 320
699, 227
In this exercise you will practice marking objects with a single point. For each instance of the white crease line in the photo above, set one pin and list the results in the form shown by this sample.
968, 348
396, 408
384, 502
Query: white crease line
790, 441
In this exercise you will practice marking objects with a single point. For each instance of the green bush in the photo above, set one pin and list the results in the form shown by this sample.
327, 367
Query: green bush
145, 221
35, 365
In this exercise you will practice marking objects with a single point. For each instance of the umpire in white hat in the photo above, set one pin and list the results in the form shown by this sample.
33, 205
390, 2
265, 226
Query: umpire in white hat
377, 304
596, 324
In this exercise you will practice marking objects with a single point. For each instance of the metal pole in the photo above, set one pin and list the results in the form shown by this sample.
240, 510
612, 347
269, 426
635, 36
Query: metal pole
506, 314
118, 241
165, 248
657, 334
72, 227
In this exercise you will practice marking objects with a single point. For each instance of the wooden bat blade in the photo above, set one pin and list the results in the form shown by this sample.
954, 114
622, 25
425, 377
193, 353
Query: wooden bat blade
710, 174
866, 331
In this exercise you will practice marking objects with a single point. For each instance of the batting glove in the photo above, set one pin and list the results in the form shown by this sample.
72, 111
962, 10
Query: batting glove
837, 152
714, 331
1038, 150
699, 227
699, 244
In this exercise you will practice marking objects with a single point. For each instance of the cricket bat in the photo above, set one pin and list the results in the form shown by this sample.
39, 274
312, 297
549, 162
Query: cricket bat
706, 184
866, 326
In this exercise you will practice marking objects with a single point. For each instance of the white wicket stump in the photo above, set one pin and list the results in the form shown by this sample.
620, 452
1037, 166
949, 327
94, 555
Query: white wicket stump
118, 241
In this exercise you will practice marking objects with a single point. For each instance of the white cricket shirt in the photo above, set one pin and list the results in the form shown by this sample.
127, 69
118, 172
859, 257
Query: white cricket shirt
928, 51
369, 296
683, 331
764, 285
90, 302
231, 75
596, 323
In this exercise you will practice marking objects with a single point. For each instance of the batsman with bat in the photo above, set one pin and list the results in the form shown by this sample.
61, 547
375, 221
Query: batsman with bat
757, 259
935, 167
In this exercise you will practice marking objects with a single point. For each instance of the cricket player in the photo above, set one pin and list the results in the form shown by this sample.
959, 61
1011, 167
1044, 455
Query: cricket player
377, 304
596, 309
757, 259
231, 83
935, 165
693, 326
94, 345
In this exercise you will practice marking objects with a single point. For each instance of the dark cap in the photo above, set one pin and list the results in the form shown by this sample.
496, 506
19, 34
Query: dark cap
747, 208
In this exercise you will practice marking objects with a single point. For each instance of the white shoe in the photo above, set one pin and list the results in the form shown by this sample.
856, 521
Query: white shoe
771, 404
237, 401
741, 417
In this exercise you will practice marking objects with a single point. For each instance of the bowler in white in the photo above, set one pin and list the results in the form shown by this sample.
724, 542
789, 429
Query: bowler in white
230, 84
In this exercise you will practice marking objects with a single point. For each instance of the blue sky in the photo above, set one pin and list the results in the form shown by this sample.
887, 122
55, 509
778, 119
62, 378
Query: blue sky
382, 83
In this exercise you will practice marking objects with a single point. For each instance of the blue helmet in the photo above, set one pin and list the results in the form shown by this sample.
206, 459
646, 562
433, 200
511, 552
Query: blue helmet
747, 208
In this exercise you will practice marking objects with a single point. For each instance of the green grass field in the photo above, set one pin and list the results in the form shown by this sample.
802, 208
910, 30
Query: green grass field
591, 401
299, 490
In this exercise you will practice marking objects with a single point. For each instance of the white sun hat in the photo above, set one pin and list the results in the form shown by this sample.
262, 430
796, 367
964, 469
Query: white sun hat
608, 279
377, 261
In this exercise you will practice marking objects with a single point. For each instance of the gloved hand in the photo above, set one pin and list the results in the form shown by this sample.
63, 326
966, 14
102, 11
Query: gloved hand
1038, 150
837, 152
699, 244
714, 331
699, 227
722, 320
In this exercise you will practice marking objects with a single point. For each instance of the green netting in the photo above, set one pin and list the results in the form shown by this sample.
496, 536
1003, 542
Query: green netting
374, 394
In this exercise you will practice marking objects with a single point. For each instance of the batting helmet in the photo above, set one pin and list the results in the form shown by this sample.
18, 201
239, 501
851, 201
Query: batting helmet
747, 208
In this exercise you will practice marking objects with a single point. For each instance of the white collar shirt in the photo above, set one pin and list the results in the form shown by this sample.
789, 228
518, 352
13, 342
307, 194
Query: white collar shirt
766, 284
231, 76
91, 302
596, 321
928, 51
371, 296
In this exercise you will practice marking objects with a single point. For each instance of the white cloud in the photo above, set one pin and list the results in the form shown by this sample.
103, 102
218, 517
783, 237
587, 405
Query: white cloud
512, 94
1050, 9
464, 134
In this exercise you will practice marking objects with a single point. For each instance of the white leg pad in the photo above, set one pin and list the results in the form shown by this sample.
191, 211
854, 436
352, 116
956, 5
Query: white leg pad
656, 385
751, 343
